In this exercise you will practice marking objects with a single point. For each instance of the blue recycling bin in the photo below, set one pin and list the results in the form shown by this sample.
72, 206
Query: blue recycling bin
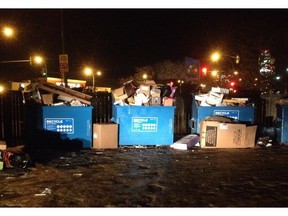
282, 124
70, 122
244, 114
144, 125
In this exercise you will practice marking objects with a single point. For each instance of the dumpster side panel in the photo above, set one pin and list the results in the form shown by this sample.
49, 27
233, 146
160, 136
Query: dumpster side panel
282, 125
145, 125
281, 131
72, 122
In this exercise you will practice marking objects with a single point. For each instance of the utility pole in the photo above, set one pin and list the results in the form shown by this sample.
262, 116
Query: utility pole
63, 80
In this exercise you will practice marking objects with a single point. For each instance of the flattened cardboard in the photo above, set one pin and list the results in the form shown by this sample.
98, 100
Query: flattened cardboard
118, 92
215, 134
47, 99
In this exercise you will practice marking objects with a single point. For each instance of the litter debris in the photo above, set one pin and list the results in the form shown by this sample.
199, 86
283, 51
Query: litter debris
187, 142
16, 160
264, 141
45, 192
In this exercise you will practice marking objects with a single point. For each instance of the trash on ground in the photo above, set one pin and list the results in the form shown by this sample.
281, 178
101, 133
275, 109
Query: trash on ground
16, 160
264, 141
187, 142
47, 191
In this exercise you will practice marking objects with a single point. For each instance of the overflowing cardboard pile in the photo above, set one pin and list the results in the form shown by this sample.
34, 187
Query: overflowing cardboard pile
53, 95
147, 93
216, 97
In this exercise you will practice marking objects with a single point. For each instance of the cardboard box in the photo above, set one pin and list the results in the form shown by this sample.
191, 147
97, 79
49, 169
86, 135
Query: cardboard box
3, 145
105, 136
130, 87
118, 92
214, 99
214, 134
220, 90
155, 101
150, 82
145, 89
120, 99
47, 99
155, 92
168, 101
119, 96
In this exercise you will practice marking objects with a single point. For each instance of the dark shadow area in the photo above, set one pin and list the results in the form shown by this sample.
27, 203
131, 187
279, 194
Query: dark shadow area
45, 145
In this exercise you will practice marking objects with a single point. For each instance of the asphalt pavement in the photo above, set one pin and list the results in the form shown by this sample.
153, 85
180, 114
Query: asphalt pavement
158, 177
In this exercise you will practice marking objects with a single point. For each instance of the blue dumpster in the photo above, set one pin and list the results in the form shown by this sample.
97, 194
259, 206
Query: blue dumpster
71, 122
242, 113
282, 124
145, 125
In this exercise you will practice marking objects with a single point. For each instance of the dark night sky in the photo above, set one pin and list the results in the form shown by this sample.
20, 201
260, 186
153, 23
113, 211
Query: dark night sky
118, 40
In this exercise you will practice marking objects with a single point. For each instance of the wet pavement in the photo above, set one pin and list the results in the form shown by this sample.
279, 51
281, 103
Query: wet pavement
149, 177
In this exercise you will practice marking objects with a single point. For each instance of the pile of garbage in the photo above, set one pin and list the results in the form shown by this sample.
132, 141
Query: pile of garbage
147, 93
53, 95
10, 159
217, 97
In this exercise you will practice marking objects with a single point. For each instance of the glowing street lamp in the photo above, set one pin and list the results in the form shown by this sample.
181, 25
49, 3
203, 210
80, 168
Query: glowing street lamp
39, 60
215, 56
36, 60
1, 89
32, 60
145, 76
89, 72
99, 73
7, 31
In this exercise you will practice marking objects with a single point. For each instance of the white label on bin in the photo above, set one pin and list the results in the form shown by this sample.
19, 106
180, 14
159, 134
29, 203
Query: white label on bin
228, 113
61, 125
144, 124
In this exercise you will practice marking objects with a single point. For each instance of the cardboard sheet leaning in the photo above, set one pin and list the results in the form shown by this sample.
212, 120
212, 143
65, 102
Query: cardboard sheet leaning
215, 134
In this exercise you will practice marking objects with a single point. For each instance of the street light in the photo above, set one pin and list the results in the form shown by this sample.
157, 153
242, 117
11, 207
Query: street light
1, 89
32, 60
215, 56
145, 76
7, 31
89, 72
36, 59
180, 83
